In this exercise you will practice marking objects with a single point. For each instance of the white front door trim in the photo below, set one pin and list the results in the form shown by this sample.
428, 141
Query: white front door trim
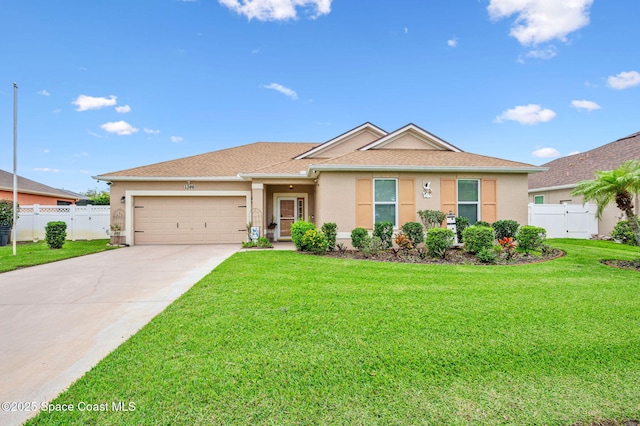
294, 196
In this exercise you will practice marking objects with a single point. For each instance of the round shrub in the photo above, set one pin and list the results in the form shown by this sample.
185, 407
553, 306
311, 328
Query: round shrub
357, 237
487, 255
55, 234
530, 238
438, 241
482, 223
298, 230
330, 230
476, 238
372, 245
315, 242
622, 232
384, 231
414, 231
506, 228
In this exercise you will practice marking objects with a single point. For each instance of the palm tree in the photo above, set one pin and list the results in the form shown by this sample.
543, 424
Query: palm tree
617, 185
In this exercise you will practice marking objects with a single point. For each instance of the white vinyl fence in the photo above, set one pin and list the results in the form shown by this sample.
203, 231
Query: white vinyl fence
83, 222
565, 220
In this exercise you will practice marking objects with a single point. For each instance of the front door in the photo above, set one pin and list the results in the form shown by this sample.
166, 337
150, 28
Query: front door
286, 216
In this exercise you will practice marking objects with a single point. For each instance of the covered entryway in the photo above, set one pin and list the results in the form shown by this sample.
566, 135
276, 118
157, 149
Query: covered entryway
189, 220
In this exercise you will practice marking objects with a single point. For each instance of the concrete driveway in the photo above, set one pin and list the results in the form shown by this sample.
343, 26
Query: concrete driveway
58, 320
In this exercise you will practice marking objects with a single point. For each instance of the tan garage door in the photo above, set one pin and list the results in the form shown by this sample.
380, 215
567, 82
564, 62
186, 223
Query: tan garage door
189, 220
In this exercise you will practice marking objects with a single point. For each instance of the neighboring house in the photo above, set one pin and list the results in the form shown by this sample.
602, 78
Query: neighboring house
32, 192
363, 176
556, 184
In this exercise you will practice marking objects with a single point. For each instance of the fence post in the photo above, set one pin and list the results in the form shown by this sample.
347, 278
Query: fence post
34, 220
72, 219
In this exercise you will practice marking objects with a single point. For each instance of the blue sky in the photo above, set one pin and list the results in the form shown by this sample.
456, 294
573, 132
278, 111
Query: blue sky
109, 85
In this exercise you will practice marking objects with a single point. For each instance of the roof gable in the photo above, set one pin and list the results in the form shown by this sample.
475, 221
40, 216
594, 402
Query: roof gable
411, 137
28, 186
346, 142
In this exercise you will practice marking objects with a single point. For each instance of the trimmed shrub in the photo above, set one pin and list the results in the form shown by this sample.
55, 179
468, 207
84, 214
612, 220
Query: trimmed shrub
476, 238
330, 231
413, 231
372, 245
357, 237
263, 242
530, 238
461, 224
505, 228
384, 231
315, 242
55, 234
431, 218
298, 229
482, 223
438, 241
622, 232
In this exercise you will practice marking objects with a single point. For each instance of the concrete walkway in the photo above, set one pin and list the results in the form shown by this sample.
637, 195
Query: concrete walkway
58, 320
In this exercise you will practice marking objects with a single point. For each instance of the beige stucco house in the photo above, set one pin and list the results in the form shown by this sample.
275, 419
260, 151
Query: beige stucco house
554, 186
360, 177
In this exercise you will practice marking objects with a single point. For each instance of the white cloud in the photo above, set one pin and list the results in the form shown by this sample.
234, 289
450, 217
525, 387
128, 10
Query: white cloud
123, 109
46, 151
176, 139
277, 10
151, 131
86, 103
95, 135
406, 30
546, 153
540, 21
586, 105
282, 89
44, 93
120, 128
545, 54
452, 43
624, 80
527, 114
46, 169
57, 111
574, 153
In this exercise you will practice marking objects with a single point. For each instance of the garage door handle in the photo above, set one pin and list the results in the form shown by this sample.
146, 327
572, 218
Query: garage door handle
177, 225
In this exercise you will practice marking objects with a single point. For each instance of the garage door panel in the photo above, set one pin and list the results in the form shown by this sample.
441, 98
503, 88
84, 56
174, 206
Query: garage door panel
189, 220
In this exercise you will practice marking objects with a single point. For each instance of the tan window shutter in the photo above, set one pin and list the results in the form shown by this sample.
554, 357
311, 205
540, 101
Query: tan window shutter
448, 196
489, 200
407, 198
364, 203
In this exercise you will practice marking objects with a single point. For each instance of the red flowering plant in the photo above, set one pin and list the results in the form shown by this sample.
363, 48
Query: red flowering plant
508, 245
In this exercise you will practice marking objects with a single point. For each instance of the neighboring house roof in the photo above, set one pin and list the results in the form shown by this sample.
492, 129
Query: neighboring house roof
28, 186
567, 171
366, 147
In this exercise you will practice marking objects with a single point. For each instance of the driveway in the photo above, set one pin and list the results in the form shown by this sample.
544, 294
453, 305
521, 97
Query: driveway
58, 320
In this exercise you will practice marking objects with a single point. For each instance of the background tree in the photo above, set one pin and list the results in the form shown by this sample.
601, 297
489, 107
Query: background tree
619, 185
98, 197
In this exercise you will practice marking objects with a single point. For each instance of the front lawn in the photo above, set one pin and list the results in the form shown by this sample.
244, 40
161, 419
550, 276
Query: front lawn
30, 254
286, 338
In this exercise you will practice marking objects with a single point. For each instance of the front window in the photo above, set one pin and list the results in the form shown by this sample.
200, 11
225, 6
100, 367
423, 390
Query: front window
468, 199
385, 200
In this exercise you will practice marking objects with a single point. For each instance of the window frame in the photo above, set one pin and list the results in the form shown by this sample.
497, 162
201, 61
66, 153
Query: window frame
478, 202
386, 203
538, 196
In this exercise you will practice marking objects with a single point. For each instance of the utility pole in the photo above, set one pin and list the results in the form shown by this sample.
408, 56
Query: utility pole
14, 234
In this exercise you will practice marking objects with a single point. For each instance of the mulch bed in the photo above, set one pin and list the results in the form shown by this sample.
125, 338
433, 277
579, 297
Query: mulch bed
455, 256
633, 265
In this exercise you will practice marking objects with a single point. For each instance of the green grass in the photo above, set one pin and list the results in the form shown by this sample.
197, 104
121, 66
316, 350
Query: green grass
31, 254
285, 338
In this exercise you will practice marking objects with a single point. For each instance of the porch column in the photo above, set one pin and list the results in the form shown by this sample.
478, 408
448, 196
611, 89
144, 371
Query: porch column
258, 202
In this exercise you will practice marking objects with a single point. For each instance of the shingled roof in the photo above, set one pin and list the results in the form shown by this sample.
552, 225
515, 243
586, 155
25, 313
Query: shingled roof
570, 170
28, 186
